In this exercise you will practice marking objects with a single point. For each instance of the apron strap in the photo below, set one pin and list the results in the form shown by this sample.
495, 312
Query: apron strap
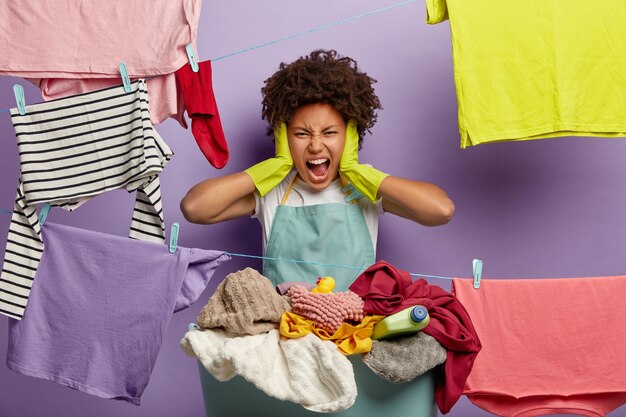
289, 188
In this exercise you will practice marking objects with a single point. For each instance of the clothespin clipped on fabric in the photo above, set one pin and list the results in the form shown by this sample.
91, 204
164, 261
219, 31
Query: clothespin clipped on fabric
477, 272
193, 60
43, 213
174, 237
125, 78
18, 90
352, 194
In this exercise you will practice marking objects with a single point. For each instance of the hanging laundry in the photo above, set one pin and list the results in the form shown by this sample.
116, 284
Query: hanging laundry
163, 98
89, 39
71, 150
519, 76
199, 101
550, 346
307, 371
387, 290
244, 303
100, 307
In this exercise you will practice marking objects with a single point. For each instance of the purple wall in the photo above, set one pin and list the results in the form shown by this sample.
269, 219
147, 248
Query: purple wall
551, 208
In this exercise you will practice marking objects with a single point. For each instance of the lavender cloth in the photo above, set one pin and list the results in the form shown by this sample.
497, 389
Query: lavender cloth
99, 308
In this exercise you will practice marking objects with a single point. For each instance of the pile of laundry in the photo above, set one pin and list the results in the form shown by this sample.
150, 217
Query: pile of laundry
291, 341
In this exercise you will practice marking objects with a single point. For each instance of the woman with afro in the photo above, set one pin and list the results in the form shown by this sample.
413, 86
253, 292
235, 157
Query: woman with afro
314, 200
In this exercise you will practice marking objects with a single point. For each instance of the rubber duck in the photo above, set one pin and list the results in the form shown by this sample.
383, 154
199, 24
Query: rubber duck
324, 284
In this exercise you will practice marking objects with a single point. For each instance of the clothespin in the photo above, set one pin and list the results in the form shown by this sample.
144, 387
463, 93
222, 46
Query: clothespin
193, 60
477, 272
352, 194
193, 326
43, 213
125, 78
174, 237
18, 90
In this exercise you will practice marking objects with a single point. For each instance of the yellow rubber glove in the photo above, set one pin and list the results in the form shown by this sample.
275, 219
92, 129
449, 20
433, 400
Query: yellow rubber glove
364, 178
269, 173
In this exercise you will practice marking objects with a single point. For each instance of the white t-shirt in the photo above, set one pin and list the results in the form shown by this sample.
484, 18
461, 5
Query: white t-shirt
302, 195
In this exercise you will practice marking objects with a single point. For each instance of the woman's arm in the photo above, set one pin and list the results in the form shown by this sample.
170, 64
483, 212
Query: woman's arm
218, 199
422, 202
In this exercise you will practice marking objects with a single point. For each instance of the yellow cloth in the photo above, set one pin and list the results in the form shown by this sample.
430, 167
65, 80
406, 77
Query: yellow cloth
350, 339
536, 68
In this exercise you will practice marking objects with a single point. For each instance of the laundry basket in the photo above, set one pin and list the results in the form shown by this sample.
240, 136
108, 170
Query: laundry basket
376, 397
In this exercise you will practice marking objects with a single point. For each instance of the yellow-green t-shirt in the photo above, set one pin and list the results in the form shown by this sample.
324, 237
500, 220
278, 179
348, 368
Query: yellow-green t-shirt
534, 69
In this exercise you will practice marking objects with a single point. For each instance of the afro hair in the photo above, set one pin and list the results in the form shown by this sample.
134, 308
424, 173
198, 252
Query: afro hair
321, 77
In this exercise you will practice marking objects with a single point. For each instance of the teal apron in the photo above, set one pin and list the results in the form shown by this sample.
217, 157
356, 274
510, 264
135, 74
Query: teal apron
321, 235
327, 234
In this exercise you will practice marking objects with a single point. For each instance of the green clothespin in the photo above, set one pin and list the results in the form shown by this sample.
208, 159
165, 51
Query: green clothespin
192, 58
174, 237
477, 272
43, 213
18, 90
125, 78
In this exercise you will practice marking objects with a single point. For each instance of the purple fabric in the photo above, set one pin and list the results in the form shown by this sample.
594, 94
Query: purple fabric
99, 308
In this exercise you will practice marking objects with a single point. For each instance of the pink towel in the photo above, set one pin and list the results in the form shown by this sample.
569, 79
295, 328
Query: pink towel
550, 346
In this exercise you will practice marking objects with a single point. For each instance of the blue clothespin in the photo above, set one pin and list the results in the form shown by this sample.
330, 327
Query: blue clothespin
192, 58
43, 213
174, 237
193, 326
352, 194
477, 272
18, 90
125, 78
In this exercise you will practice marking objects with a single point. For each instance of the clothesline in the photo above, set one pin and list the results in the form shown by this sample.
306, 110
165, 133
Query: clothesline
306, 32
299, 261
299, 34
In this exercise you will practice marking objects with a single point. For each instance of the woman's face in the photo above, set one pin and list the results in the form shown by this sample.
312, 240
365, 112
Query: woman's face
317, 135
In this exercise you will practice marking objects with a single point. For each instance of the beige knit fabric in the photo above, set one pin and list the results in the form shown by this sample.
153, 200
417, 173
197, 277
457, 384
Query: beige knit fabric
245, 303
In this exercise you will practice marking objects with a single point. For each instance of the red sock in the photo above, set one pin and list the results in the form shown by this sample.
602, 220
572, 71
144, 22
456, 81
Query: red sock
197, 90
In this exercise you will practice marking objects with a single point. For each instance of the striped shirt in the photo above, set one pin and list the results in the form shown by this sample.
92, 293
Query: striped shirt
71, 150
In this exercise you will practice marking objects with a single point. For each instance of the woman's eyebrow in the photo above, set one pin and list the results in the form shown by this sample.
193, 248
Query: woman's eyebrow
306, 129
301, 128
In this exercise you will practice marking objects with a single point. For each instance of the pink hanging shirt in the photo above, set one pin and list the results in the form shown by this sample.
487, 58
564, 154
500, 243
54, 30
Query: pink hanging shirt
90, 38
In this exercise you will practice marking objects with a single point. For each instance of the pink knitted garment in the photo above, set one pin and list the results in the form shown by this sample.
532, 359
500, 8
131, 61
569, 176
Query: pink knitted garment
326, 310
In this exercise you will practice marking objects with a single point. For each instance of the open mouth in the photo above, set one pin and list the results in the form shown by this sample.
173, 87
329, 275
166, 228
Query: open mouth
318, 168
